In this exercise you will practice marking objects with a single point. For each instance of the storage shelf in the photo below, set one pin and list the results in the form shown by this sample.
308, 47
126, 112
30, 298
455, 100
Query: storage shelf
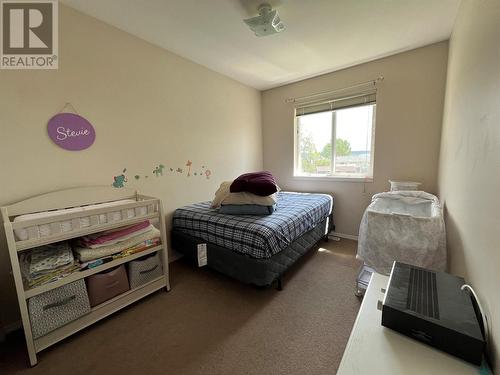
28, 244
99, 312
90, 197
77, 275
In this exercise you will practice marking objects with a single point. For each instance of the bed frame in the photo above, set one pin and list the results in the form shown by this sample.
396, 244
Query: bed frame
259, 272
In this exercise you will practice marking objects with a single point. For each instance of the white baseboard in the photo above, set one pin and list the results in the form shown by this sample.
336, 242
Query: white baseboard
343, 235
11, 327
174, 256
8, 328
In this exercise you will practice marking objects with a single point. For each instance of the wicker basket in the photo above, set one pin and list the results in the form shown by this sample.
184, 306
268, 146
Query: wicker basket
404, 185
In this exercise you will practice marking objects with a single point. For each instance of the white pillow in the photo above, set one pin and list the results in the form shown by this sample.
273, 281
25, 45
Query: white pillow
224, 196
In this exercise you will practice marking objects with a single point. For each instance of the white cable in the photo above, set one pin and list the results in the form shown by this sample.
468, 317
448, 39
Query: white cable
483, 315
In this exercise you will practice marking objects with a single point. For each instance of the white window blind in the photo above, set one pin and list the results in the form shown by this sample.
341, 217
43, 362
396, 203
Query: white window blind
331, 104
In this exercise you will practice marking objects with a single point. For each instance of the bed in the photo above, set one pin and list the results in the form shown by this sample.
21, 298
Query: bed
253, 249
407, 226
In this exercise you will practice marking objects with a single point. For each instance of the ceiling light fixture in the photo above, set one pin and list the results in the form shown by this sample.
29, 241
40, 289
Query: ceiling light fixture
268, 21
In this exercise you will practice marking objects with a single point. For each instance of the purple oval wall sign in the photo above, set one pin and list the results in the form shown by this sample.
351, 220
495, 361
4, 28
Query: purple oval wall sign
71, 131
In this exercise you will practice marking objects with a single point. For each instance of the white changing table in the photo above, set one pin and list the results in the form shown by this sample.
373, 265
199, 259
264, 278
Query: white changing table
374, 349
87, 200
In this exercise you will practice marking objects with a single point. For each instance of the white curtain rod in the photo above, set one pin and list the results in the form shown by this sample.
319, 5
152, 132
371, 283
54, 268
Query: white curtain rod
373, 82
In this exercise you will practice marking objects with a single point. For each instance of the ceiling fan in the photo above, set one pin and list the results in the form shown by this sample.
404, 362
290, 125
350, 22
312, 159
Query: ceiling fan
268, 21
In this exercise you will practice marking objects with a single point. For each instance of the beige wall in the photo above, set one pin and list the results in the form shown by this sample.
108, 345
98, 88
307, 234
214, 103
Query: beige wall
148, 107
469, 171
408, 128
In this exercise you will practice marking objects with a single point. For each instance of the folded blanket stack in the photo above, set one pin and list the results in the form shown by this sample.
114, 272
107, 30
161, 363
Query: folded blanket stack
47, 263
122, 241
115, 236
52, 262
250, 194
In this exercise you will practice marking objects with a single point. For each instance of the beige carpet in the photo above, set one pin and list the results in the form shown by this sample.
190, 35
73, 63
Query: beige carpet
210, 324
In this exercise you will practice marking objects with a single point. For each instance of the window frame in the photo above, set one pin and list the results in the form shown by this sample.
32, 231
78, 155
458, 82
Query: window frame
334, 177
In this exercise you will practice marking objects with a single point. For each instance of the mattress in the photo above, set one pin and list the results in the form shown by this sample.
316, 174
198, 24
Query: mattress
260, 237
45, 230
259, 272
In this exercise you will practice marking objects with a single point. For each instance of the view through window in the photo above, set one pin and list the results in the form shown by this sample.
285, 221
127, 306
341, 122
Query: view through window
336, 143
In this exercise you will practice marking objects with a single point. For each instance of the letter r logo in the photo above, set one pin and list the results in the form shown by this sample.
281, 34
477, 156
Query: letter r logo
27, 28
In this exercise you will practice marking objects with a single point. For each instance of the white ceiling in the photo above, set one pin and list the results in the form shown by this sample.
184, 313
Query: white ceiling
321, 35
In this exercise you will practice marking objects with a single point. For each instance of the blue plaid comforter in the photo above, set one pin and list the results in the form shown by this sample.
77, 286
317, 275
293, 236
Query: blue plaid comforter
257, 236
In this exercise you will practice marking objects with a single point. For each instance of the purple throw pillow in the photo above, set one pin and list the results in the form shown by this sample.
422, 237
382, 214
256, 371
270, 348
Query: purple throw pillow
258, 183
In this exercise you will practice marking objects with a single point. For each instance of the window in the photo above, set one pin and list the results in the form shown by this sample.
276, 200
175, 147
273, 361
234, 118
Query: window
335, 138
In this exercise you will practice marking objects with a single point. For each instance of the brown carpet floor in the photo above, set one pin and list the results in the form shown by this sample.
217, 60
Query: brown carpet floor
210, 324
